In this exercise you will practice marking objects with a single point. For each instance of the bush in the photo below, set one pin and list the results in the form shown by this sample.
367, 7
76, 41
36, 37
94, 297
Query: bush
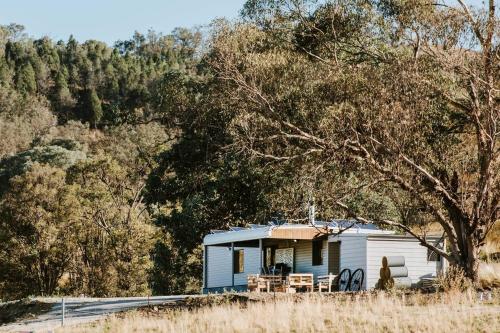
454, 280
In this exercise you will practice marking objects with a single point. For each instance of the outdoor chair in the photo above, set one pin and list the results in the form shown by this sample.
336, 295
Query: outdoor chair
283, 268
326, 282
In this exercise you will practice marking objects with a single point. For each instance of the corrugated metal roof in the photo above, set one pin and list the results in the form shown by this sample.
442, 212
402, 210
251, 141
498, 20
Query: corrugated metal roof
261, 231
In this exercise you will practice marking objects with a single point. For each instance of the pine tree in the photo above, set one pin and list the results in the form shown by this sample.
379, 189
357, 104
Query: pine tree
25, 79
95, 108
64, 102
89, 108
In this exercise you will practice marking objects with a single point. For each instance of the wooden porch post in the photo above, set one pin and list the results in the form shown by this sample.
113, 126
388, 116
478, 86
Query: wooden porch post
261, 256
232, 264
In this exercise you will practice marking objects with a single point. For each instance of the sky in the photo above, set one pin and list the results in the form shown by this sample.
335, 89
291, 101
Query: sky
111, 20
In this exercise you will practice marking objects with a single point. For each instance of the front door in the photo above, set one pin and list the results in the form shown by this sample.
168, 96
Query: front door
334, 258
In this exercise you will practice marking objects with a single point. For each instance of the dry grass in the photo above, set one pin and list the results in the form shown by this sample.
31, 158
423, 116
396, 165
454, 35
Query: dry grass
489, 274
489, 269
454, 280
492, 244
382, 312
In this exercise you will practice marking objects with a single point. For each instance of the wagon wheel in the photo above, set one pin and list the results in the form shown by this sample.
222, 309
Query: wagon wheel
356, 281
343, 280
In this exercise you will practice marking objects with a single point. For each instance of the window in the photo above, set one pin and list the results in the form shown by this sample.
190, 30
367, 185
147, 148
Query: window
238, 261
317, 252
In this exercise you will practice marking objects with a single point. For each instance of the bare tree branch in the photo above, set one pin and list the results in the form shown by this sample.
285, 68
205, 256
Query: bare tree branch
423, 241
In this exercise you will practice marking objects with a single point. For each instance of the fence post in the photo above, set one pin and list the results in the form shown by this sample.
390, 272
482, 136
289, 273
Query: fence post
63, 308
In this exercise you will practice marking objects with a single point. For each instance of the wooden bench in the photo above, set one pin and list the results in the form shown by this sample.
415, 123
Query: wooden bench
258, 283
255, 283
301, 280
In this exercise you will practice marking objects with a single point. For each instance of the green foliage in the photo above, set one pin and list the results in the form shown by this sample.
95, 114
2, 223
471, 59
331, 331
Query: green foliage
63, 100
176, 270
115, 235
377, 89
111, 232
98, 85
37, 230
196, 186
22, 119
90, 108
59, 153
111, 236
25, 79
92, 82
138, 150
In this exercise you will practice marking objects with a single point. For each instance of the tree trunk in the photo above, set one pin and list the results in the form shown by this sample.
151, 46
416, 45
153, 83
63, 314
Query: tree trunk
471, 263
468, 262
467, 242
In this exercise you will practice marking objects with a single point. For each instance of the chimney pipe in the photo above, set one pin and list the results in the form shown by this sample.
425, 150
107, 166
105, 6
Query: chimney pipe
312, 212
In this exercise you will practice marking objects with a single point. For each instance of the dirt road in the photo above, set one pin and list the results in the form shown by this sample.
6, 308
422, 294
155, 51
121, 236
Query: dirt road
81, 310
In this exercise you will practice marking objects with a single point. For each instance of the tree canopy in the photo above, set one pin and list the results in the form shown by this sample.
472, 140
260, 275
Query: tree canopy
401, 96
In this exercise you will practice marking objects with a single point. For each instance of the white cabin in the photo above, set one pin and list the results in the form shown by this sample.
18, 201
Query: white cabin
230, 256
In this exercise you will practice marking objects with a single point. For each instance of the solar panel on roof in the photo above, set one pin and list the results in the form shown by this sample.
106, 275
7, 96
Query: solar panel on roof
217, 231
348, 223
237, 228
321, 223
255, 226
333, 223
276, 222
370, 226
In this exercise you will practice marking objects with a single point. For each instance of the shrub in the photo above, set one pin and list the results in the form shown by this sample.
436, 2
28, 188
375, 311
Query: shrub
454, 280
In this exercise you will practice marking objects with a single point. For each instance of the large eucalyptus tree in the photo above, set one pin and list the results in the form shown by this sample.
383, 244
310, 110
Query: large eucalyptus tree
402, 94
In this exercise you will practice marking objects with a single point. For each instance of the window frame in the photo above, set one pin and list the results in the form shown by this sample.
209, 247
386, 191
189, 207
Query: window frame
433, 256
239, 261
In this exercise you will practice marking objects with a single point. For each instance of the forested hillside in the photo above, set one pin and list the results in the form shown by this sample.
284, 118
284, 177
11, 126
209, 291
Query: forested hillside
116, 161
112, 165
80, 132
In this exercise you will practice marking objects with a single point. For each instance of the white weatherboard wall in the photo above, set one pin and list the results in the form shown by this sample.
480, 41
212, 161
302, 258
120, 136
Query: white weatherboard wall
415, 258
353, 254
303, 259
219, 267
251, 264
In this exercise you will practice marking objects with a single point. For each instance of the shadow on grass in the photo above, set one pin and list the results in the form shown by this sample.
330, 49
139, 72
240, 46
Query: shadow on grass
22, 309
